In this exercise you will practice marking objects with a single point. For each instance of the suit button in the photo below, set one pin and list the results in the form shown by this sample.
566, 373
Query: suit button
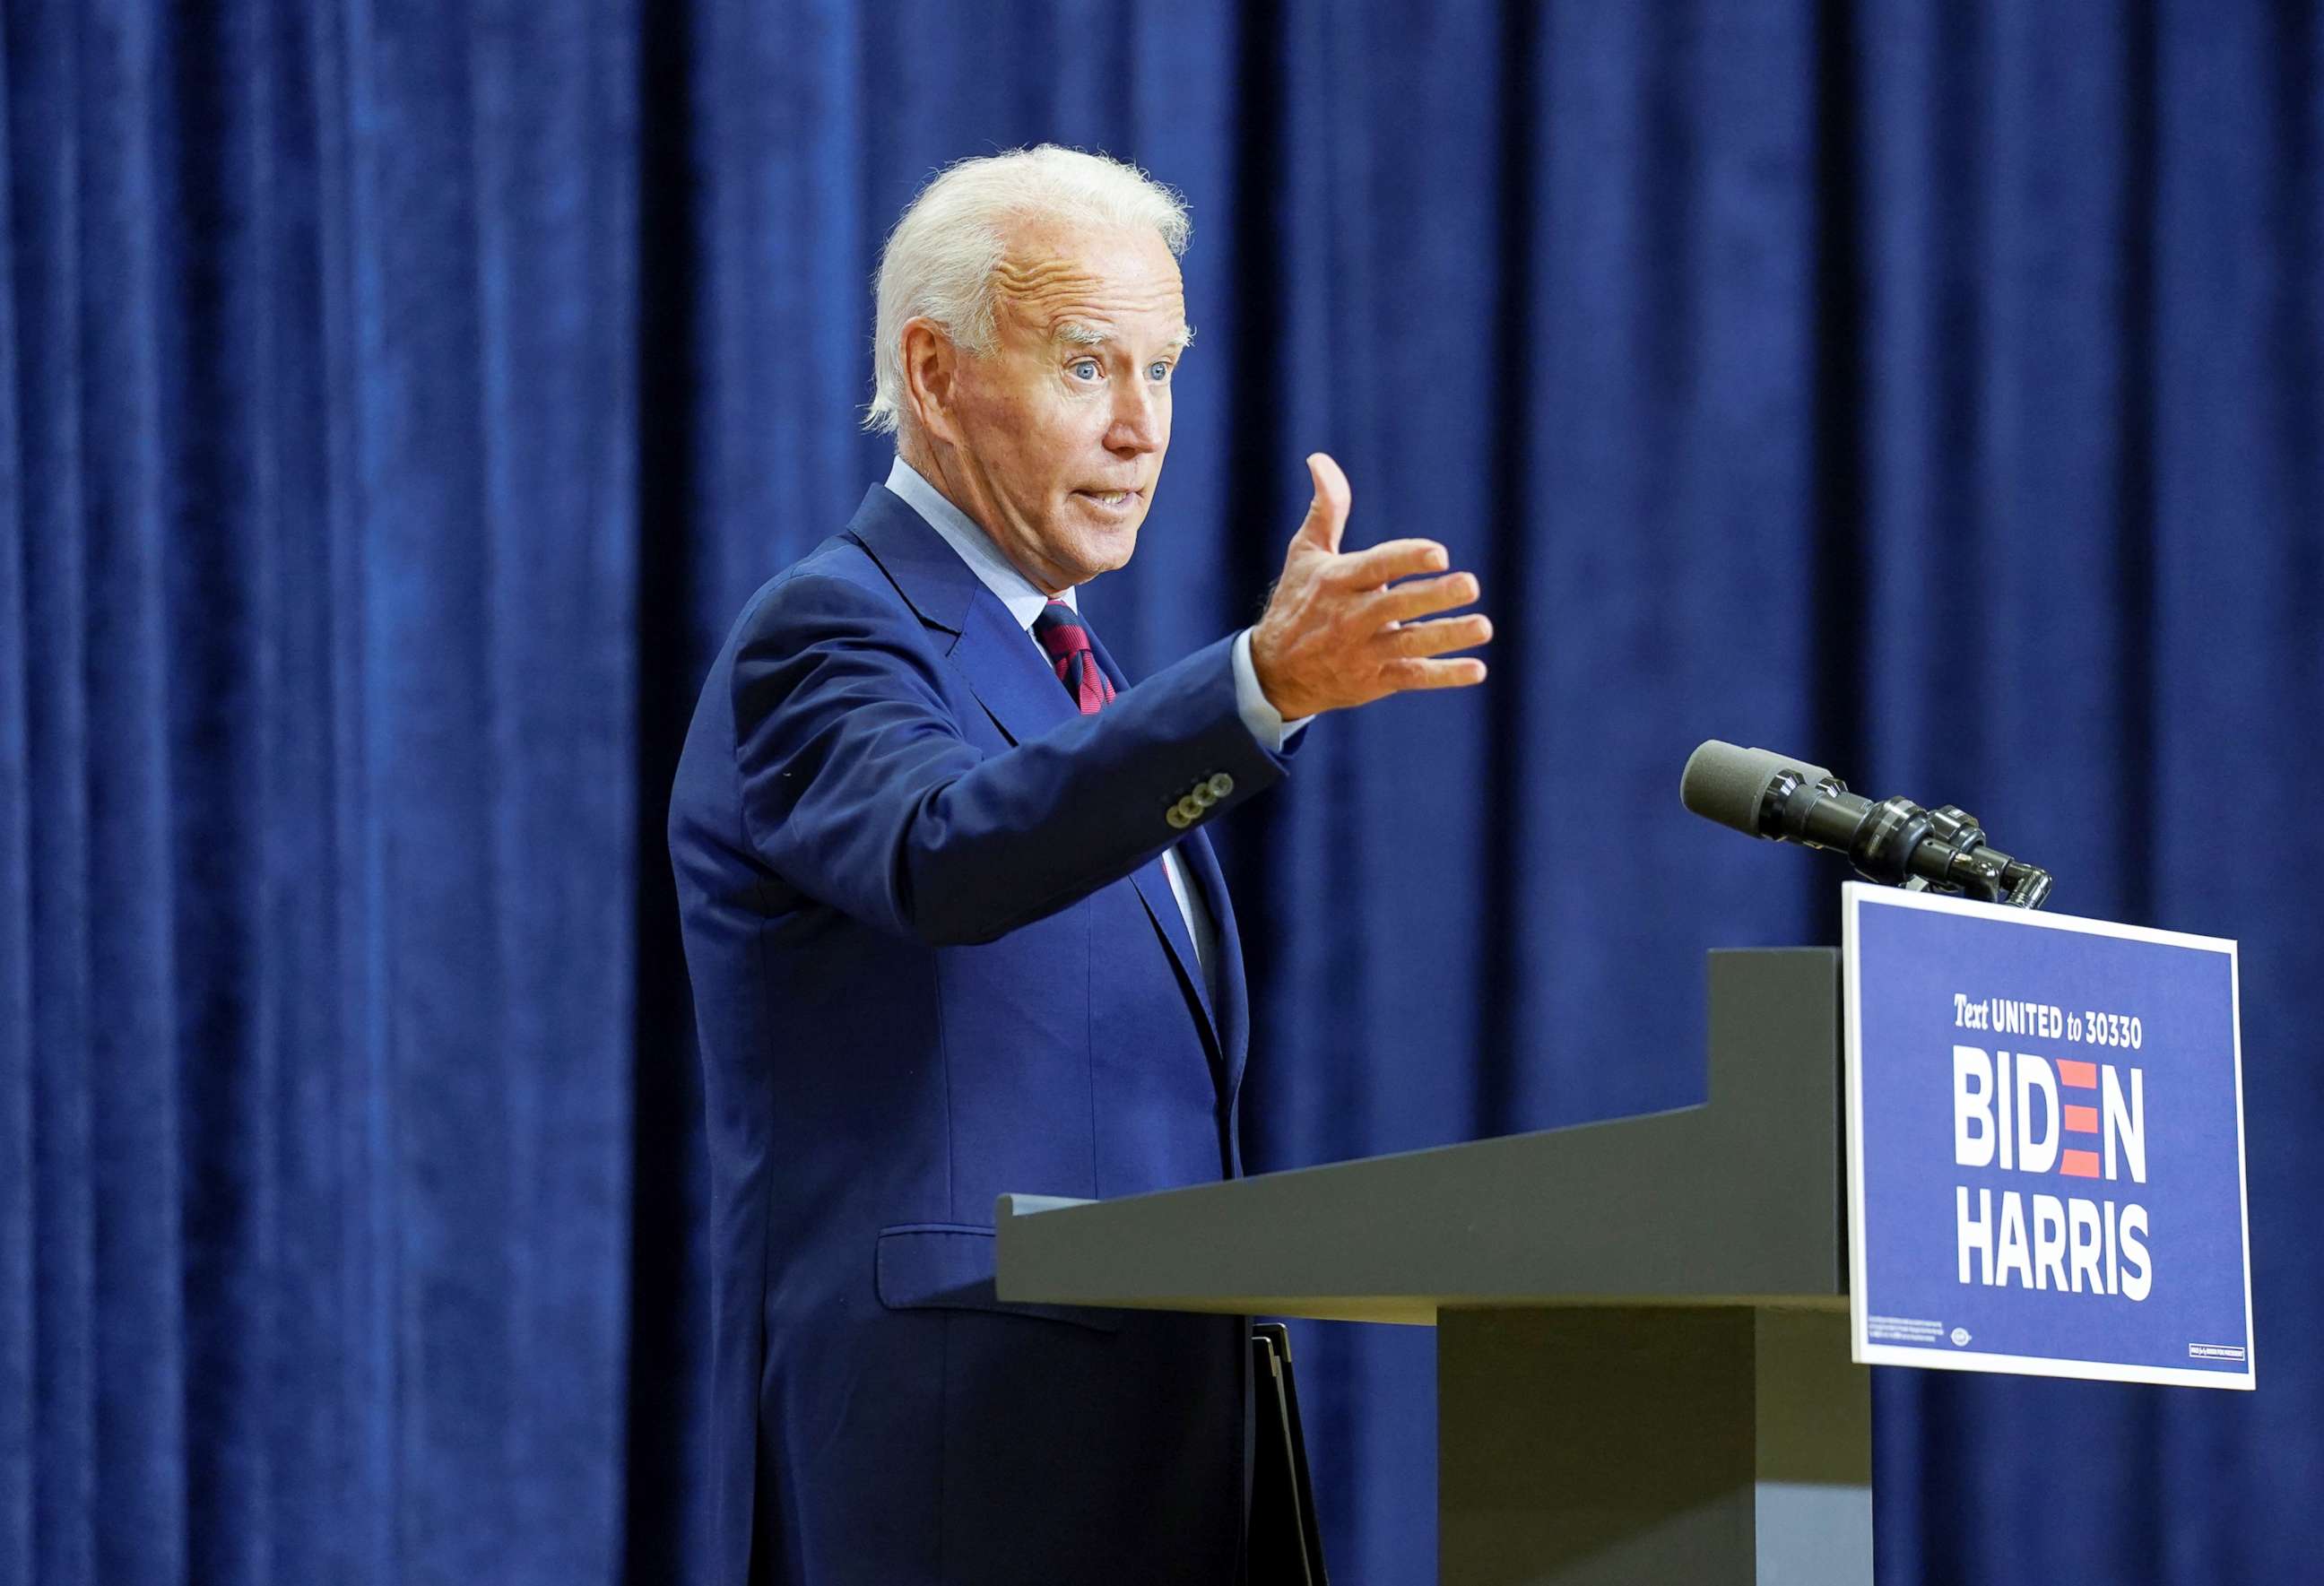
1189, 808
1202, 796
1176, 817
1221, 784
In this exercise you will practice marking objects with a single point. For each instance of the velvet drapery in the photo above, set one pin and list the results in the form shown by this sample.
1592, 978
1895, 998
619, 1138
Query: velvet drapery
401, 396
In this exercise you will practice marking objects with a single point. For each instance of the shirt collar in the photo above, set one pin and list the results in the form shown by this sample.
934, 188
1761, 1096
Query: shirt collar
972, 544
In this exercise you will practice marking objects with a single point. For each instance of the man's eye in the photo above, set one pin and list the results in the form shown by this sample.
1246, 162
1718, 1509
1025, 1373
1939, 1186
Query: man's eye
1157, 372
1084, 368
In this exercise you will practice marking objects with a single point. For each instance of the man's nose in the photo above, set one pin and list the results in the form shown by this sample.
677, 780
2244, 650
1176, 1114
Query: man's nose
1137, 427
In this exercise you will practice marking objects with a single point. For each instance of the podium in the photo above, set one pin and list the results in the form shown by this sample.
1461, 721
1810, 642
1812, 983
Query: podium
1642, 1332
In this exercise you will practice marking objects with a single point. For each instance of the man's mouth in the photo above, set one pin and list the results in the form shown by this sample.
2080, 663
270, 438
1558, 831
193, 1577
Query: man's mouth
1109, 498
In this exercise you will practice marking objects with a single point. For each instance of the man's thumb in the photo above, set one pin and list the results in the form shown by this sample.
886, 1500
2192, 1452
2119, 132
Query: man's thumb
1327, 517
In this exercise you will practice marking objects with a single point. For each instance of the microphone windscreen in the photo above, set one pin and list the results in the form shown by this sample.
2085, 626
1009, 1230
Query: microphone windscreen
1724, 782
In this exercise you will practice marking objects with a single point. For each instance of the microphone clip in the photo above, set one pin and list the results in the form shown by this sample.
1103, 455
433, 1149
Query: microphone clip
1943, 851
1981, 870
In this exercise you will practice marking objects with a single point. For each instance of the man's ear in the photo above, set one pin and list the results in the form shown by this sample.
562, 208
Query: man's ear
931, 378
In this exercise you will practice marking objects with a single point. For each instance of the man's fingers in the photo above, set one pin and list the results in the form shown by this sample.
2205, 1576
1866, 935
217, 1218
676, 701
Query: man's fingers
1404, 675
1389, 559
1446, 633
1421, 597
1345, 628
1327, 515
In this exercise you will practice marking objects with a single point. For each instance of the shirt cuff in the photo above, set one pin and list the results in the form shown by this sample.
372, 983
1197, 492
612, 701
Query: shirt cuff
1265, 723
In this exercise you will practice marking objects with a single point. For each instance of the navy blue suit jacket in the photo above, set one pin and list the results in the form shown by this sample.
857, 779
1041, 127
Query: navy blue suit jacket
936, 958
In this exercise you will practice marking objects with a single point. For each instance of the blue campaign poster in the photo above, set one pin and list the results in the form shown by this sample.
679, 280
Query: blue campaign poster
2045, 1144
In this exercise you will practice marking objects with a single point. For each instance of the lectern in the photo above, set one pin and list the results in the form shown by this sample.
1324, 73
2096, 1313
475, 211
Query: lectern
1642, 1333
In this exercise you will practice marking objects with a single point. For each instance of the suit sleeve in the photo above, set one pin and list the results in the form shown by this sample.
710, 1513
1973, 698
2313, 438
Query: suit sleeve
860, 791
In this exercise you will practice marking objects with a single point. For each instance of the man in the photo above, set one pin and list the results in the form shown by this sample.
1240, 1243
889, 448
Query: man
954, 929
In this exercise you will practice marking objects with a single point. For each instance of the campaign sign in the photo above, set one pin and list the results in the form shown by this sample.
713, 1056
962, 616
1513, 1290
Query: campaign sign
2045, 1144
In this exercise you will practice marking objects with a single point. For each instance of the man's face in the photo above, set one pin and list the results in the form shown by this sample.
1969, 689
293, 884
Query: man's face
1059, 432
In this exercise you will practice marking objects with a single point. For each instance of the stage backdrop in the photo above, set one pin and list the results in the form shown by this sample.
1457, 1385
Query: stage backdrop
400, 398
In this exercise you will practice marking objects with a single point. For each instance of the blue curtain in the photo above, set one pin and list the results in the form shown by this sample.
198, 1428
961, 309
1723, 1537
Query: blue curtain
400, 398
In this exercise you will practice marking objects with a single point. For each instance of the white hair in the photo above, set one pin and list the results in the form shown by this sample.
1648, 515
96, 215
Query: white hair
939, 262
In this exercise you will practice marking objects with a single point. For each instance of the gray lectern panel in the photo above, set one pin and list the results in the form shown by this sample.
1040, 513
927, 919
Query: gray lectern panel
1599, 1446
1737, 1200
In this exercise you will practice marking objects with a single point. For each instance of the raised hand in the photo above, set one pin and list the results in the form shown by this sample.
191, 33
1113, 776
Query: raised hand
1339, 631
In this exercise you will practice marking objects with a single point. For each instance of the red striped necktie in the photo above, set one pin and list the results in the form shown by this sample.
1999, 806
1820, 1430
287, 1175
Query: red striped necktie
1067, 642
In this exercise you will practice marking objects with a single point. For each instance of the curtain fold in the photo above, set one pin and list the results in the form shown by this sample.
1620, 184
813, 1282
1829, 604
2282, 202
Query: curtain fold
398, 399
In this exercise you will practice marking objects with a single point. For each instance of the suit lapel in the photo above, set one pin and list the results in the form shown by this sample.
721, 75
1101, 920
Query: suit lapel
1232, 1008
1003, 667
1153, 885
1011, 679
1018, 689
928, 573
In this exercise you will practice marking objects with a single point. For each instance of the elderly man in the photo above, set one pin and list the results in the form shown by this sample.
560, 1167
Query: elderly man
955, 929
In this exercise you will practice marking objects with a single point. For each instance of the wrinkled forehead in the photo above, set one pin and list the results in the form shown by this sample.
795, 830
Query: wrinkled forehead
1061, 282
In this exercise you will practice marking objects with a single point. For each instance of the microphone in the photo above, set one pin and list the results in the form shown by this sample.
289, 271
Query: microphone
1895, 842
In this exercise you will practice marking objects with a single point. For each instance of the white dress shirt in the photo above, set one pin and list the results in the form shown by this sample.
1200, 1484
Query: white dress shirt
1025, 601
